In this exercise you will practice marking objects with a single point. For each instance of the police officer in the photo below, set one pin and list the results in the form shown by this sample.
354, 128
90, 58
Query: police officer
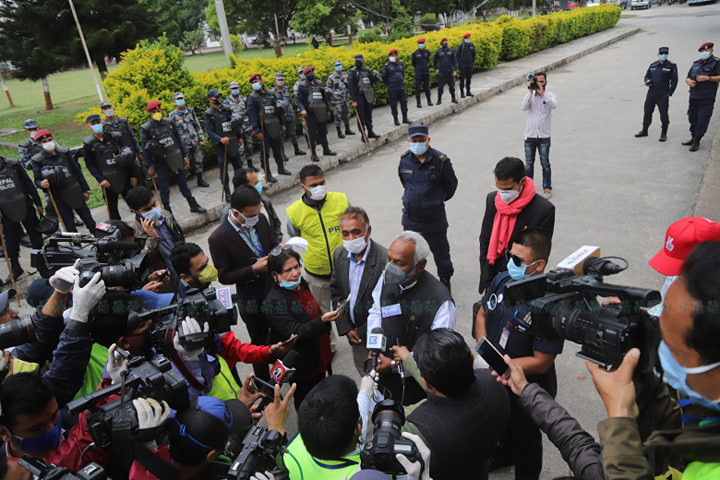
225, 130
421, 62
29, 147
112, 163
166, 155
266, 121
188, 125
445, 64
466, 61
282, 94
17, 198
429, 181
57, 172
361, 82
115, 124
301, 77
337, 86
238, 105
703, 79
312, 102
393, 75
661, 79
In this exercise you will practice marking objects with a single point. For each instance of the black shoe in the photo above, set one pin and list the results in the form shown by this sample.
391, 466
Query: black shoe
371, 134
642, 133
663, 135
201, 182
340, 133
695, 144
395, 120
439, 100
347, 130
16, 274
406, 120
25, 241
469, 94
78, 222
430, 104
300, 152
195, 207
445, 281
462, 94
454, 100
284, 171
270, 178
328, 153
687, 142
418, 104
315, 158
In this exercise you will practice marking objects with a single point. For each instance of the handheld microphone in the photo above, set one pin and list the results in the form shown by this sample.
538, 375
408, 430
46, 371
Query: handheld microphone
576, 261
376, 344
284, 370
399, 365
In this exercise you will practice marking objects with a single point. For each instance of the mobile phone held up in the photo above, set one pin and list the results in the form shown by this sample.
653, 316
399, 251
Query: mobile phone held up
492, 356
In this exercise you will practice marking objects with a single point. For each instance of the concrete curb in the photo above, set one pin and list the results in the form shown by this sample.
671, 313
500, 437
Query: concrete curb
708, 198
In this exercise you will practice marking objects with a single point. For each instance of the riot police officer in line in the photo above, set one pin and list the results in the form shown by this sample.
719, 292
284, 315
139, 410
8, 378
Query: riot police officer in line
421, 62
393, 75
188, 125
112, 163
29, 147
115, 124
702, 78
361, 82
312, 102
56, 171
238, 105
225, 130
165, 154
428, 180
282, 94
466, 61
266, 122
661, 79
337, 86
445, 64
18, 196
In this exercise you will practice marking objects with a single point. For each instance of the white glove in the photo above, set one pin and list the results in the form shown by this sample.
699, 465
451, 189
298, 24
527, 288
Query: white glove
3, 361
150, 412
415, 470
64, 279
116, 365
367, 383
262, 476
189, 325
85, 298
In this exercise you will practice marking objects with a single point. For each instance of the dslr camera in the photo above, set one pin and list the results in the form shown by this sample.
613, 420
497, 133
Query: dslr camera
532, 81
387, 441
259, 449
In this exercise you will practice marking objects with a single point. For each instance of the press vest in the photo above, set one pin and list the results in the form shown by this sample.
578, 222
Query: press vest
303, 466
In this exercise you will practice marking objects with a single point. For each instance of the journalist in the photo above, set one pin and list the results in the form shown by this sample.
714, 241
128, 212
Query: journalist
249, 176
649, 430
539, 104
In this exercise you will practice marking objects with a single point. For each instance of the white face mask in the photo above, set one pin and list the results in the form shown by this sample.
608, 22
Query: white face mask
109, 112
393, 58
318, 193
49, 146
509, 196
356, 245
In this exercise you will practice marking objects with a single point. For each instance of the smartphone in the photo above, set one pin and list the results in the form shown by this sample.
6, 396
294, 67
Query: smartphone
492, 356
343, 305
290, 339
266, 389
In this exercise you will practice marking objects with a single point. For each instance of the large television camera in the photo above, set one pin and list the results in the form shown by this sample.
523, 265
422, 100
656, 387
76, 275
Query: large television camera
379, 452
259, 449
563, 304
42, 470
16, 332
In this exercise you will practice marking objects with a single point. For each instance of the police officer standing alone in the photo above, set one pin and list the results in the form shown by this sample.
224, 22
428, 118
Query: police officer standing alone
429, 181
445, 64
421, 62
703, 79
188, 126
238, 105
393, 74
312, 102
29, 147
111, 163
115, 124
284, 101
661, 79
361, 83
466, 60
17, 196
337, 86
225, 130
166, 155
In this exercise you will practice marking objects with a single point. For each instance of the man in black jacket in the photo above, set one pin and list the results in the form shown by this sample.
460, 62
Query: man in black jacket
249, 176
312, 103
466, 61
225, 131
421, 62
361, 83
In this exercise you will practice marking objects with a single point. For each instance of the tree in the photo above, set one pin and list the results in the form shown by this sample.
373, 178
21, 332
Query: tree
192, 40
320, 17
179, 17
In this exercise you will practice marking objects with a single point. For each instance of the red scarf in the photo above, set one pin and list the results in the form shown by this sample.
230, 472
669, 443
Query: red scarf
505, 218
313, 310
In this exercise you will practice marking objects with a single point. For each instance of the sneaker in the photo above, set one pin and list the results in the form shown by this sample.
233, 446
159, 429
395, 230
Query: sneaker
548, 193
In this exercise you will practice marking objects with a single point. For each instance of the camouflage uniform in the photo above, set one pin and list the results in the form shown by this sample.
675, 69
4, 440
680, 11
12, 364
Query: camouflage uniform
238, 105
337, 87
188, 127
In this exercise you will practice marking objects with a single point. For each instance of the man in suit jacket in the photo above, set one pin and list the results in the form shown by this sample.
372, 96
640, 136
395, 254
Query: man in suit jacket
514, 207
358, 266
239, 248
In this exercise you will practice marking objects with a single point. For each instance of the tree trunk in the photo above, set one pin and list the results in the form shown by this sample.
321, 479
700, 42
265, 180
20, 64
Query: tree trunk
46, 93
329, 39
349, 34
350, 39
6, 89
278, 47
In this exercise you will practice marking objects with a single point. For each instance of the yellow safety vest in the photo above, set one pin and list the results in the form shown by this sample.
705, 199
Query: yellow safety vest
303, 466
320, 229
224, 386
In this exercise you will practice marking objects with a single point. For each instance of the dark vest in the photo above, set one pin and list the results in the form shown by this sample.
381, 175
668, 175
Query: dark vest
395, 75
424, 195
61, 175
123, 129
418, 305
14, 198
225, 126
269, 113
165, 147
109, 160
365, 85
316, 101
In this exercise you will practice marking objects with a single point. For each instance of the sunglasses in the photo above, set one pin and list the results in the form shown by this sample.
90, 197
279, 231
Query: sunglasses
280, 249
517, 260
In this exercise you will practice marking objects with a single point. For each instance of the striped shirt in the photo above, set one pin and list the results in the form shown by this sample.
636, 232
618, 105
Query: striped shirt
537, 123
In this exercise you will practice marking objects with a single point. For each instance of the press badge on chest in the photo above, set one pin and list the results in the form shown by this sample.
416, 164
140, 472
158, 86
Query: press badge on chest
391, 310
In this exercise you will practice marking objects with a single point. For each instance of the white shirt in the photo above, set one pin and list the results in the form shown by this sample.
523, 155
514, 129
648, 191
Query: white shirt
355, 273
444, 317
537, 122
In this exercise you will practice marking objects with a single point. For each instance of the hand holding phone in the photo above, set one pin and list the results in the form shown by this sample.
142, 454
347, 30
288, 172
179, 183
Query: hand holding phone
492, 356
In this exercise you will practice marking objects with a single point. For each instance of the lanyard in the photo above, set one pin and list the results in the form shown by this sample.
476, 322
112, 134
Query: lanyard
257, 248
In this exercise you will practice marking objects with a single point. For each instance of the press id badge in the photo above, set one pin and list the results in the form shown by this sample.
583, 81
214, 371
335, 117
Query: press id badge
391, 310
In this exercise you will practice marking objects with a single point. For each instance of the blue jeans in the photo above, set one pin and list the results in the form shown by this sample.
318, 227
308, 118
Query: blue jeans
543, 146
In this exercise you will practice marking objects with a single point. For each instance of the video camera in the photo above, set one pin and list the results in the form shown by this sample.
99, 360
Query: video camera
532, 81
145, 379
42, 470
379, 453
259, 449
16, 332
563, 304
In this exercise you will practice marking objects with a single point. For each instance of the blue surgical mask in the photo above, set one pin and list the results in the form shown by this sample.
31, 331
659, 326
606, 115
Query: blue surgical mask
97, 128
422, 45
418, 148
662, 57
259, 187
154, 214
45, 442
310, 76
302, 76
466, 40
675, 375
235, 91
180, 102
338, 68
517, 272
291, 285
704, 55
257, 86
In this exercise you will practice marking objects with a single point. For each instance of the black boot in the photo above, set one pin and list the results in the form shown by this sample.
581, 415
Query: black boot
453, 99
688, 142
17, 270
405, 118
297, 149
269, 178
347, 128
642, 133
25, 241
340, 133
395, 120
315, 158
695, 143
195, 207
283, 171
327, 152
468, 93
200, 182
663, 134
462, 94
439, 100
429, 100
372, 134
418, 102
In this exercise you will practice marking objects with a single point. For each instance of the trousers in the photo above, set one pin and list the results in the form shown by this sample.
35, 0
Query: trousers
13, 232
364, 109
699, 112
268, 144
233, 160
163, 179
422, 84
542, 145
443, 79
651, 100
395, 96
466, 72
317, 131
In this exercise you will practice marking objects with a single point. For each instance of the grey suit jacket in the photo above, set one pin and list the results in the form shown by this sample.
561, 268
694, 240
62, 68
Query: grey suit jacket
340, 286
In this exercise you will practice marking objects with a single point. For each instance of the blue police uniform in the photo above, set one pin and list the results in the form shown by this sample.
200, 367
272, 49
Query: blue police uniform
420, 60
661, 78
427, 186
393, 75
702, 98
466, 61
445, 62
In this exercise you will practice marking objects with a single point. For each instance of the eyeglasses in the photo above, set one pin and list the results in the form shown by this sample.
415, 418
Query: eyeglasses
517, 260
280, 249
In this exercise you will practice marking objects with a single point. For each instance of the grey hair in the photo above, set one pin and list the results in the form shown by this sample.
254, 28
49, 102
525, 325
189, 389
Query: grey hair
422, 249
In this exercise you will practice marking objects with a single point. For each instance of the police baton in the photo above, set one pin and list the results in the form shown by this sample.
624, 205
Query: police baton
7, 261
361, 127
157, 192
306, 131
264, 149
225, 186
57, 212
107, 205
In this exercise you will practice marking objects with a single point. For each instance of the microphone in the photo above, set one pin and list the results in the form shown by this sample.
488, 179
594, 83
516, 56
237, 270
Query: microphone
576, 261
376, 344
284, 370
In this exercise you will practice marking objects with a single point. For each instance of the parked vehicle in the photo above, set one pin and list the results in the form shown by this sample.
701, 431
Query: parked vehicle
639, 4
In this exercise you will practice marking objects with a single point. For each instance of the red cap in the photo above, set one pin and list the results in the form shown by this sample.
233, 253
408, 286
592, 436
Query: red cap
681, 238
308, 69
706, 45
421, 40
467, 35
153, 104
255, 76
443, 40
42, 133
392, 50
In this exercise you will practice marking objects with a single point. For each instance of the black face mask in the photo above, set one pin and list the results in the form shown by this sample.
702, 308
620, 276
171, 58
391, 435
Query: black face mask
358, 63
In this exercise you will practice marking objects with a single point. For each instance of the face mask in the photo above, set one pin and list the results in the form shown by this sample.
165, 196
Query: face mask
516, 273
109, 112
291, 285
251, 221
45, 442
256, 86
216, 101
356, 245
209, 274
235, 91
49, 146
157, 116
301, 76
338, 68
466, 40
422, 45
32, 135
318, 193
704, 55
180, 102
662, 57
259, 187
310, 76
154, 214
418, 148
509, 196
444, 45
393, 59
97, 128
675, 375
394, 275
358, 63
279, 83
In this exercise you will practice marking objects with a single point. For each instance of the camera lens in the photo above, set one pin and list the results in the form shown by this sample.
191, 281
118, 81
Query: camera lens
122, 275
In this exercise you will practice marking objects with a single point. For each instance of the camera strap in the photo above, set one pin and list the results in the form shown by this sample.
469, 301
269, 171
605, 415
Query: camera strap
179, 361
154, 464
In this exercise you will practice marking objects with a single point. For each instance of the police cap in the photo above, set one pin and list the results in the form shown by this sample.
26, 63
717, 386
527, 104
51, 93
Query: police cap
153, 104
30, 123
358, 56
42, 133
104, 105
178, 95
92, 117
337, 63
421, 40
234, 85
418, 131
213, 93
255, 76
308, 69
280, 75
663, 50
706, 45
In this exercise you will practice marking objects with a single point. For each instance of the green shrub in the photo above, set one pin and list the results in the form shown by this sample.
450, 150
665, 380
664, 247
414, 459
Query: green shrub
370, 35
427, 20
